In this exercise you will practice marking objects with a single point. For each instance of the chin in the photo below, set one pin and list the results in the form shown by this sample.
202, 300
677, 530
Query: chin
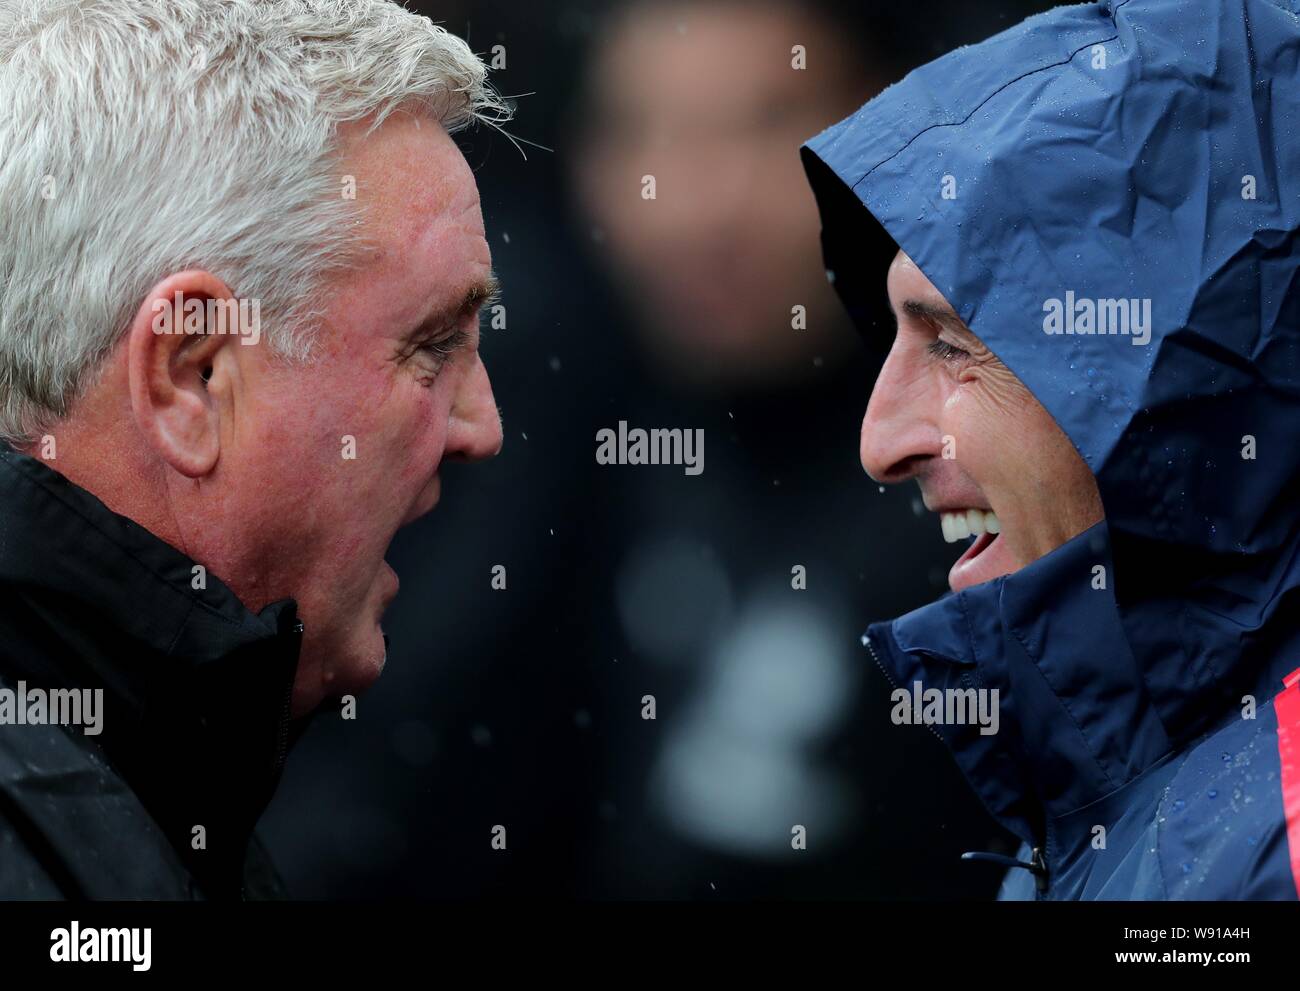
347, 663
360, 660
369, 664
357, 666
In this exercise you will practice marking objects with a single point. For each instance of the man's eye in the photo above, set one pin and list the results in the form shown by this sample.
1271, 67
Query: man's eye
946, 352
444, 349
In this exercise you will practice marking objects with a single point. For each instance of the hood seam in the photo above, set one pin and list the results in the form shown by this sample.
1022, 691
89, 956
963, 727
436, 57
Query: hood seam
976, 108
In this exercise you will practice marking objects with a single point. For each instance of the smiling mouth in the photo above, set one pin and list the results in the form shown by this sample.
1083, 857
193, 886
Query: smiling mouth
984, 558
960, 524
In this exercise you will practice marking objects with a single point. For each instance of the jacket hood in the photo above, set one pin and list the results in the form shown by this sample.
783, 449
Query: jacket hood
1141, 151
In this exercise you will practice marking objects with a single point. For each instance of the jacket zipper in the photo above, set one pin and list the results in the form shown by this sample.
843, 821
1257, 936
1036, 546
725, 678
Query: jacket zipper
866, 641
282, 747
1037, 865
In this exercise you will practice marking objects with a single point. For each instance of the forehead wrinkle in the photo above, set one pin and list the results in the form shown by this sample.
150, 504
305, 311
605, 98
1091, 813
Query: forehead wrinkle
402, 197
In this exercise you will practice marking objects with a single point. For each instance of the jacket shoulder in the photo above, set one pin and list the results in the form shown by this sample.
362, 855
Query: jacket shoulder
23, 876
1222, 823
74, 827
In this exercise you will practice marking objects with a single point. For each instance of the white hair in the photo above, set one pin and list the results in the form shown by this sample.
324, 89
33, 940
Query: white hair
139, 138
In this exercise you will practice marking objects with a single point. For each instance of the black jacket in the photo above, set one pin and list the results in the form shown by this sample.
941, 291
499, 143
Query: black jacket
195, 723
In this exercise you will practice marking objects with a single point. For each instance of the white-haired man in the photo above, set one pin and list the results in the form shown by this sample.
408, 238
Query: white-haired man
241, 265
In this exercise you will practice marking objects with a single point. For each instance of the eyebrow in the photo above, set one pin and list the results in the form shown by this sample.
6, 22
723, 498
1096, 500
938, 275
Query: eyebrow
483, 293
480, 294
943, 315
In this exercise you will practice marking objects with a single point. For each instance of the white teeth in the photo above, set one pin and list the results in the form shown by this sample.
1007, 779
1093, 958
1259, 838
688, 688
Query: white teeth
960, 528
972, 522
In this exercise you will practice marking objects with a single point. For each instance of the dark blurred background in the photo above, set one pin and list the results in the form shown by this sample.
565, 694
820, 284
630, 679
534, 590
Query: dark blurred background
523, 707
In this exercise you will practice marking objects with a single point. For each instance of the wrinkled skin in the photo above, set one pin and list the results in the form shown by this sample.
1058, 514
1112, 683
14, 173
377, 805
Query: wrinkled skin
938, 381
238, 458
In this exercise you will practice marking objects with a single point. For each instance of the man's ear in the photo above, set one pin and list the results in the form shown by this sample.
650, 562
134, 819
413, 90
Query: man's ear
179, 360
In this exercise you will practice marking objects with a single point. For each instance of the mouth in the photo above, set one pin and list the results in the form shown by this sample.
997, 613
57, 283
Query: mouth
389, 583
983, 559
962, 523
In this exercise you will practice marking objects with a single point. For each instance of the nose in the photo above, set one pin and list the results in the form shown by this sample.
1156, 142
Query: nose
474, 433
899, 432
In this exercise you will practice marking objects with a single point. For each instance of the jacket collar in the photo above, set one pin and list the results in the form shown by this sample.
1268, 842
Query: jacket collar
196, 687
1080, 714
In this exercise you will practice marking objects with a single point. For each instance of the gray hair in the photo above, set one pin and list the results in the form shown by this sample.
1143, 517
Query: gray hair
139, 138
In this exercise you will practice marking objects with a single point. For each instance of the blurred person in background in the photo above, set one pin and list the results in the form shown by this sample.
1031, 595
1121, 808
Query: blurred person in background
734, 590
708, 98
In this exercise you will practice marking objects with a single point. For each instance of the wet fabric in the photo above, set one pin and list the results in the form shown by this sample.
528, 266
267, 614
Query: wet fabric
161, 801
1143, 153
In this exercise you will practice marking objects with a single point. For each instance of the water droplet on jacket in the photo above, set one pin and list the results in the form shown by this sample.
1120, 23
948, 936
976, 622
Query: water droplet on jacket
1179, 805
1213, 793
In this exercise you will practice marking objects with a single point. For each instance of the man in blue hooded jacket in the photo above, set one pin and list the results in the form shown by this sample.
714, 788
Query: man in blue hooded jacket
1086, 228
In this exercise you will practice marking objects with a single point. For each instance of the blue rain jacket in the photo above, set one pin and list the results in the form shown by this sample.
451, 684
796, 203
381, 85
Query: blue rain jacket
1144, 150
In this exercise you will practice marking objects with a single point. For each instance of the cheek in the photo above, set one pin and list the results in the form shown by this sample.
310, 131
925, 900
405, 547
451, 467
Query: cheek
427, 421
399, 427
303, 423
994, 440
414, 423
